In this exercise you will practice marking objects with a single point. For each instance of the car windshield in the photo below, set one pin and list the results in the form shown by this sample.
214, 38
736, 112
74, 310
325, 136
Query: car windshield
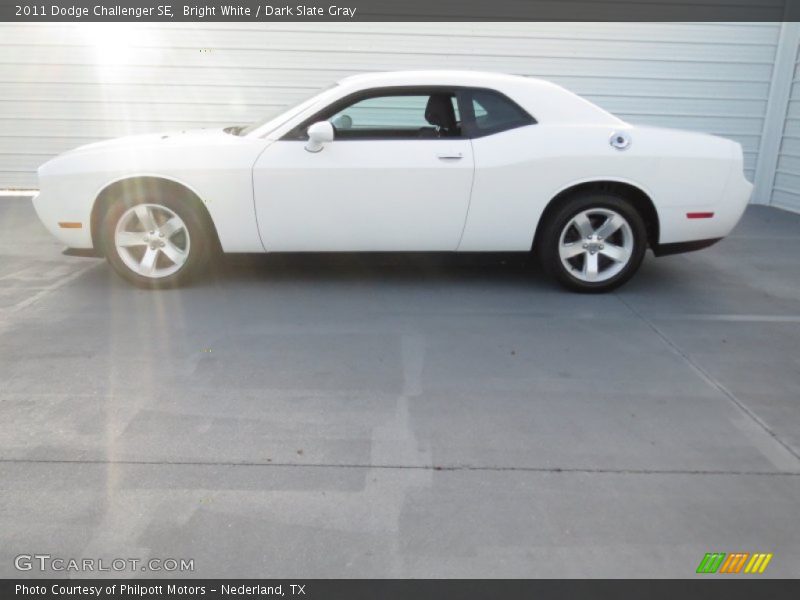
280, 115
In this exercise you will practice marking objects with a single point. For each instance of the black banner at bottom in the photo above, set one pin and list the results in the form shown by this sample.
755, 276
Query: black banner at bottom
731, 588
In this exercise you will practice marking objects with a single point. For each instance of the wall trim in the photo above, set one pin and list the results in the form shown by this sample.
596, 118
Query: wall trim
775, 116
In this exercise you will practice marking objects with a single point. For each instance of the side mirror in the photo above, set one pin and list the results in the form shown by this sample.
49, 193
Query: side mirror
319, 134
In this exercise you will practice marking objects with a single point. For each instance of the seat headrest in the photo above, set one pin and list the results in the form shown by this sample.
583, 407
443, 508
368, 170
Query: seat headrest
440, 112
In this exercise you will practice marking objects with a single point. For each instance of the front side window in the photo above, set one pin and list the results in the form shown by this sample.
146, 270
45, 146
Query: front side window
403, 116
400, 115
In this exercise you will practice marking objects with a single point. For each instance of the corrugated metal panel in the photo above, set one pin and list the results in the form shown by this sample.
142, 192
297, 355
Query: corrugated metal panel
62, 85
786, 187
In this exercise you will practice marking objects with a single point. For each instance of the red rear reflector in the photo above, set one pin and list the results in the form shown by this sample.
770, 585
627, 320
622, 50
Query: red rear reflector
69, 225
699, 215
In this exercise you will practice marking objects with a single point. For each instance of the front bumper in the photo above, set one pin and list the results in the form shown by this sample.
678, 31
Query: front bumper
66, 218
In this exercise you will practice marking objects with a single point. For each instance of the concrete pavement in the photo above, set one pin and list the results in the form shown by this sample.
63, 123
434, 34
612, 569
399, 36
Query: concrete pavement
402, 416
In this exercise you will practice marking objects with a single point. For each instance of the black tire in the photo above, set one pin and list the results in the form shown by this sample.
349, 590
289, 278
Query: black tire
200, 248
549, 241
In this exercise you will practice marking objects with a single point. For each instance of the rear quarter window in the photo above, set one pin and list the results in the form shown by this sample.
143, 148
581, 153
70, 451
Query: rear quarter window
492, 112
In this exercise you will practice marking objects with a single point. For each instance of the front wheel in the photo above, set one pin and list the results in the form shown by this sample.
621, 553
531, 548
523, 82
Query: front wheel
594, 243
154, 243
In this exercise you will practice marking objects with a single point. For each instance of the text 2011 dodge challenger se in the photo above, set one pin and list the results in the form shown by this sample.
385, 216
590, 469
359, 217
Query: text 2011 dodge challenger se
434, 161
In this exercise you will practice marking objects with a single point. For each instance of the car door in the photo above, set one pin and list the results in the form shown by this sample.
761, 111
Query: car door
397, 176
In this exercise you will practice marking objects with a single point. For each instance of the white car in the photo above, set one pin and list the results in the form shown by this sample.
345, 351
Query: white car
433, 161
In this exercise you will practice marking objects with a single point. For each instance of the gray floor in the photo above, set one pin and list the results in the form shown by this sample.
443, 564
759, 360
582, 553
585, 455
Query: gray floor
403, 416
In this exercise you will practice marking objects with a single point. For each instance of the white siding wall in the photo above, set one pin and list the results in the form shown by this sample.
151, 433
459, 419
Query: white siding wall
62, 85
786, 186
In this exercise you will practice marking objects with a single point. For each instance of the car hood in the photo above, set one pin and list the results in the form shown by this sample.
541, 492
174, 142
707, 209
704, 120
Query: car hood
137, 141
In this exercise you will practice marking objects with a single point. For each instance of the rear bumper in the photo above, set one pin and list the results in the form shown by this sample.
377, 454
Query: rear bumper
678, 225
680, 247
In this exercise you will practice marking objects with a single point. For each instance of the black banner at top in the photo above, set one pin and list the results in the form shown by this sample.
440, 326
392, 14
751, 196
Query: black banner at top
397, 10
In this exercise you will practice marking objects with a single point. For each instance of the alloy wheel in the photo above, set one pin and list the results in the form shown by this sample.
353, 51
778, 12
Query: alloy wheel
596, 245
152, 240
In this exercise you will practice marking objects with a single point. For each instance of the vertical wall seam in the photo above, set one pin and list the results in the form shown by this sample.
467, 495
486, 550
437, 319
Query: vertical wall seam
775, 116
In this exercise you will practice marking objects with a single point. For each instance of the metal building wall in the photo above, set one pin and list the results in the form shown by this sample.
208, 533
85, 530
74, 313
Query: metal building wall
62, 85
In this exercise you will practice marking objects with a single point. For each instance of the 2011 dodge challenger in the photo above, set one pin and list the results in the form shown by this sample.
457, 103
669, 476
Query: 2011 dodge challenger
433, 161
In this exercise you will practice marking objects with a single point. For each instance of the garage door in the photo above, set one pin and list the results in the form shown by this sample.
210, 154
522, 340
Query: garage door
62, 85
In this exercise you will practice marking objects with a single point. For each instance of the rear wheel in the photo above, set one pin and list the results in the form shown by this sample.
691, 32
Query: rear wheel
154, 242
594, 243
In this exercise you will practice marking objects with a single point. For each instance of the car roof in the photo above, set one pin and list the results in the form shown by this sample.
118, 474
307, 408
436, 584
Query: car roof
442, 77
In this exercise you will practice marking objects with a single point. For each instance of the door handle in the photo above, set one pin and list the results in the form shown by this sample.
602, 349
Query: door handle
450, 156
